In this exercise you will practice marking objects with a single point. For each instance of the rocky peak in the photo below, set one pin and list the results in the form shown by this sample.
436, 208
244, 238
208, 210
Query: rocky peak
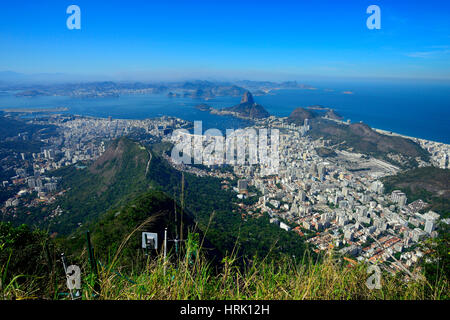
247, 98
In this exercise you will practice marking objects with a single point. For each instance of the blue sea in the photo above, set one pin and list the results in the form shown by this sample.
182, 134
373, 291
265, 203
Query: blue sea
411, 108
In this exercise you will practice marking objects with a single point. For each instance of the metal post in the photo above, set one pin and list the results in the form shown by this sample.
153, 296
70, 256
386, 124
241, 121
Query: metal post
146, 246
182, 205
165, 249
165, 244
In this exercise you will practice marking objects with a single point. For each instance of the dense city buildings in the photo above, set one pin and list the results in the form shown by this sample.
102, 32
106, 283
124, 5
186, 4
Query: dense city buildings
334, 203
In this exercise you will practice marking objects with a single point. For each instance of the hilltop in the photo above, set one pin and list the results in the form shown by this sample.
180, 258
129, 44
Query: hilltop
299, 115
118, 176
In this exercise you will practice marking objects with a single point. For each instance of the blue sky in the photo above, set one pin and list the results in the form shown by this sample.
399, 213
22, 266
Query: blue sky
278, 40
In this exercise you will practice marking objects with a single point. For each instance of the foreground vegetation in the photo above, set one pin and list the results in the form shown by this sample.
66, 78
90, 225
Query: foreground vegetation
189, 275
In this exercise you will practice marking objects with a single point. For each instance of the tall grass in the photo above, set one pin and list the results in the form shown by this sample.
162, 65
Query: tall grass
194, 279
190, 275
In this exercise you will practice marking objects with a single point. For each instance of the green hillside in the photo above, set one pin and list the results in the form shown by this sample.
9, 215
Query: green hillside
117, 177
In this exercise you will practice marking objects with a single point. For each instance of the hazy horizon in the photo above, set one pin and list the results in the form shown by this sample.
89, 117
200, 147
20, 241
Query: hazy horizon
9, 77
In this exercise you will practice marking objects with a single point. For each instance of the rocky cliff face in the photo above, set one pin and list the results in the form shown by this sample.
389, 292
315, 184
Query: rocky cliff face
247, 98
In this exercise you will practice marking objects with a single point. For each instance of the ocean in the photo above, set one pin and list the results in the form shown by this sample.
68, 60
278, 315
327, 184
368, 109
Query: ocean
414, 109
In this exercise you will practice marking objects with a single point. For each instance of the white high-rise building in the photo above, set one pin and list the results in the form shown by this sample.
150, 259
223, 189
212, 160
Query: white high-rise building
444, 161
429, 226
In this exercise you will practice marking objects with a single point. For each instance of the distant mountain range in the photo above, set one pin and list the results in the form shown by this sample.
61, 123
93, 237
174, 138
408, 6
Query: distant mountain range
205, 90
59, 84
270, 85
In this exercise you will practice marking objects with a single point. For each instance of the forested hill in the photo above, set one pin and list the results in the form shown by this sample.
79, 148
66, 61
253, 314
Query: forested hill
115, 178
